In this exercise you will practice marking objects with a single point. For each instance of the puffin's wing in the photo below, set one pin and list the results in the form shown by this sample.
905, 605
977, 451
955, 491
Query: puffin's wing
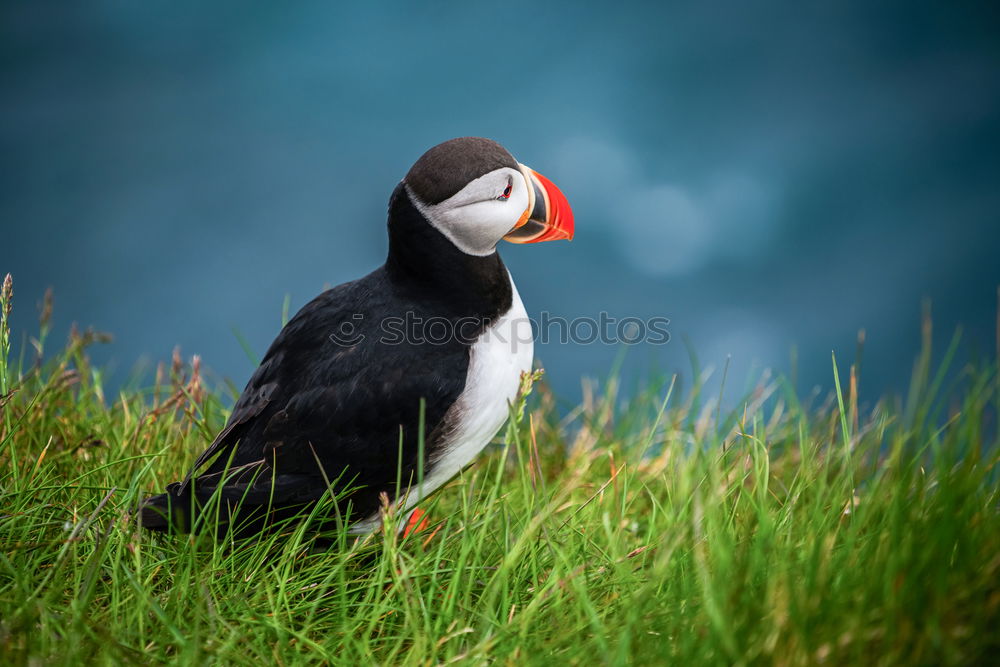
254, 399
273, 381
339, 395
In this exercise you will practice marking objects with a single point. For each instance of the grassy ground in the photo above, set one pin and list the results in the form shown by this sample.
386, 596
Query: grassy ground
647, 531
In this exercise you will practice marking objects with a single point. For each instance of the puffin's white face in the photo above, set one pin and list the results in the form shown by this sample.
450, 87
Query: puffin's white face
479, 215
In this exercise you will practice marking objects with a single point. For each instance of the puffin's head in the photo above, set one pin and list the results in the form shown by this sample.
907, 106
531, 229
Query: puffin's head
475, 193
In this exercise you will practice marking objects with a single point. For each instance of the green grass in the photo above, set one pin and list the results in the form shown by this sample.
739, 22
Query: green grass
646, 531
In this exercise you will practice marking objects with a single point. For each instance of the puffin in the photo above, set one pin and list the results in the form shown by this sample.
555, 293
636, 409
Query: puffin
387, 386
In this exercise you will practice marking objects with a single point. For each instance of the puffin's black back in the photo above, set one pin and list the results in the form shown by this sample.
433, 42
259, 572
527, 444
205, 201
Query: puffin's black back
317, 410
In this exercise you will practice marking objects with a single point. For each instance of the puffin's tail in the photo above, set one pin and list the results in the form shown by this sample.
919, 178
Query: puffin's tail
241, 492
172, 510
246, 502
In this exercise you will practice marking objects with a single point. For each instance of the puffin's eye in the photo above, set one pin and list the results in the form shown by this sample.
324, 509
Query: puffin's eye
506, 191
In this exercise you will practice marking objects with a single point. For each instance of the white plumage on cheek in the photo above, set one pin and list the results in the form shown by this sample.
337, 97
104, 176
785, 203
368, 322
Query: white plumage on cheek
473, 218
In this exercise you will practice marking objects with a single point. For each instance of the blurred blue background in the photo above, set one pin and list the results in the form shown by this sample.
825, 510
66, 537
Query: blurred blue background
770, 176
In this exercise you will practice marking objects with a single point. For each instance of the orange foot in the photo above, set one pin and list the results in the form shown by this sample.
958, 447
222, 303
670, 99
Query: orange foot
416, 523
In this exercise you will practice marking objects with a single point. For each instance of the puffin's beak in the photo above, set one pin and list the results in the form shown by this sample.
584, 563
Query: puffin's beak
548, 216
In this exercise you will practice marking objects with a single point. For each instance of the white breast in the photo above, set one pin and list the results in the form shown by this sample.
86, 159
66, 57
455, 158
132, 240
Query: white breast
496, 361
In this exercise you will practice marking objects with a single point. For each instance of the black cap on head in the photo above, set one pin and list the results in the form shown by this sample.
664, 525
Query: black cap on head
448, 167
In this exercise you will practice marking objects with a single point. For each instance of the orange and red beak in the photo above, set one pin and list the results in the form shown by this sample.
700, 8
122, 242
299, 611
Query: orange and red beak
548, 216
